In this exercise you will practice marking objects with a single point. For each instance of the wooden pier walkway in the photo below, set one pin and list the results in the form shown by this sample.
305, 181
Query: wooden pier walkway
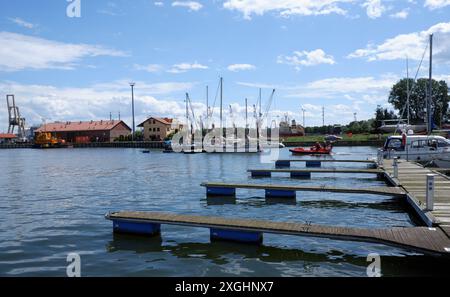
423, 239
412, 177
329, 161
410, 183
386, 191
331, 170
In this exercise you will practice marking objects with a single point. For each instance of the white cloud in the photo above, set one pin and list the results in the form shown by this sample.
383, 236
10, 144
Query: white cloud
184, 67
305, 58
287, 7
22, 23
435, 4
148, 68
192, 5
402, 14
344, 87
37, 102
20, 52
374, 8
158, 3
240, 67
411, 45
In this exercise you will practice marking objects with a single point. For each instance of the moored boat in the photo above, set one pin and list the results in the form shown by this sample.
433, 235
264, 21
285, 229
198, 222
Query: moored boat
315, 150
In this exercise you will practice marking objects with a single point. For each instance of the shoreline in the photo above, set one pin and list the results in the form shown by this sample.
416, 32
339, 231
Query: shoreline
160, 144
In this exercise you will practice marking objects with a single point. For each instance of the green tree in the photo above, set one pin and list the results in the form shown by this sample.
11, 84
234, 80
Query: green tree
382, 114
418, 99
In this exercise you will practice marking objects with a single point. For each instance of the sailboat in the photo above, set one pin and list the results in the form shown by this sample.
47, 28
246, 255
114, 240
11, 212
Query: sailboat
419, 147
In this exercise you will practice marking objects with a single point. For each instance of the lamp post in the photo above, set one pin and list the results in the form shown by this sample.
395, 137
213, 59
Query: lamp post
132, 84
304, 122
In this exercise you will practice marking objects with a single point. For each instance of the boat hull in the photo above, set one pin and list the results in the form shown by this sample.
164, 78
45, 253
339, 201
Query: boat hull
301, 151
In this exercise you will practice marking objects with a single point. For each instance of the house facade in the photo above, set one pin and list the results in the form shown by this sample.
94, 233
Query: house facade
157, 129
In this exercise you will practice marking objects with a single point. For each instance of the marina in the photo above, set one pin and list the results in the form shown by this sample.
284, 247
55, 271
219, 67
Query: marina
195, 140
422, 190
48, 214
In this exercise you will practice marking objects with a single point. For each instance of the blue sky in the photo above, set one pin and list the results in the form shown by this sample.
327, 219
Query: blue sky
341, 54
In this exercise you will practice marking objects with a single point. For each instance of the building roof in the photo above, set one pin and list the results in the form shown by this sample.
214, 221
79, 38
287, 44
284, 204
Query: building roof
165, 121
7, 136
81, 126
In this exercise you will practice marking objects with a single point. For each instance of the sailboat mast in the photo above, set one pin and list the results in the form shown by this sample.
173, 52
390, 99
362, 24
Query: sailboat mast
221, 102
260, 103
408, 93
187, 111
430, 89
246, 113
207, 107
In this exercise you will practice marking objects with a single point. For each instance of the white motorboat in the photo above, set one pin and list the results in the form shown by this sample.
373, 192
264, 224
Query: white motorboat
416, 148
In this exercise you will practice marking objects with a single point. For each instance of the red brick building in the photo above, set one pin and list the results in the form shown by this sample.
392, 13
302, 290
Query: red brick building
82, 132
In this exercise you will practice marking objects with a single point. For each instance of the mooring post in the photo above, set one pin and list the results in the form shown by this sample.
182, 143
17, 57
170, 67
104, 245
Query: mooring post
380, 157
395, 165
430, 191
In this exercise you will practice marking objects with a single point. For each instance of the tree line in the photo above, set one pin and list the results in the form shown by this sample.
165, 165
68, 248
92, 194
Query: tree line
398, 97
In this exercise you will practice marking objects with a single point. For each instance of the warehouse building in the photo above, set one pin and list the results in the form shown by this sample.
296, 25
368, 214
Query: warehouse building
85, 132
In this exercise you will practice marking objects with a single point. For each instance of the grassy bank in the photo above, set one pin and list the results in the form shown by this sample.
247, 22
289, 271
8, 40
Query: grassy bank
346, 138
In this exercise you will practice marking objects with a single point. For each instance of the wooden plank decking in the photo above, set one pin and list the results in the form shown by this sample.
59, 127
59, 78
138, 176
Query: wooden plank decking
431, 240
320, 170
412, 178
329, 161
389, 191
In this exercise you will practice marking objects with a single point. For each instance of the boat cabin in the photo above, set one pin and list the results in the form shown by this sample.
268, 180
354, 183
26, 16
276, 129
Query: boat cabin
416, 147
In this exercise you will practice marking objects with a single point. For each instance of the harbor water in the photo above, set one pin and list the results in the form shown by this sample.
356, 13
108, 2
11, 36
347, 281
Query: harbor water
53, 202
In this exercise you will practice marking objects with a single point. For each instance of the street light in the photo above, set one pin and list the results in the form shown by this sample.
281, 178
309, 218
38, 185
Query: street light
132, 84
304, 122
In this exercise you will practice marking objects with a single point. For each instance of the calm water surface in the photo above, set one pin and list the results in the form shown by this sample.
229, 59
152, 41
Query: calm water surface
52, 203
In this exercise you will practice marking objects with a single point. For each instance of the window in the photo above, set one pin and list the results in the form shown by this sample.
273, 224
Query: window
443, 143
158, 129
395, 144
419, 144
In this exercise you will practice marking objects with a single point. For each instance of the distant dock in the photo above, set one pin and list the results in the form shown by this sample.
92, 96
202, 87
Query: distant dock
136, 144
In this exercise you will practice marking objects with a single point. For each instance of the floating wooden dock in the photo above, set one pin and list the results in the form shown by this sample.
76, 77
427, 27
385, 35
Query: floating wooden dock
413, 178
306, 173
329, 161
409, 180
284, 191
423, 239
318, 162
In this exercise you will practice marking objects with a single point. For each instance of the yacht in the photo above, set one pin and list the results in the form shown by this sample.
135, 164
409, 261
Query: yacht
421, 148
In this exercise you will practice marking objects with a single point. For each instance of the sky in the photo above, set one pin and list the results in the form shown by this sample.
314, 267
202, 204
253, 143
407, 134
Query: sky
72, 60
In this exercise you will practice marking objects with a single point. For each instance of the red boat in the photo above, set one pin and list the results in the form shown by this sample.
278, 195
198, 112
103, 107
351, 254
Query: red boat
312, 151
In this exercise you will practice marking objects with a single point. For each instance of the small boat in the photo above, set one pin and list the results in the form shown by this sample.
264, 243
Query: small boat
146, 152
312, 151
422, 148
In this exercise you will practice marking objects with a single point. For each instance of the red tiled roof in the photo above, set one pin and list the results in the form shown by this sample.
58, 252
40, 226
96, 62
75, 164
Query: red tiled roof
165, 121
7, 136
80, 126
